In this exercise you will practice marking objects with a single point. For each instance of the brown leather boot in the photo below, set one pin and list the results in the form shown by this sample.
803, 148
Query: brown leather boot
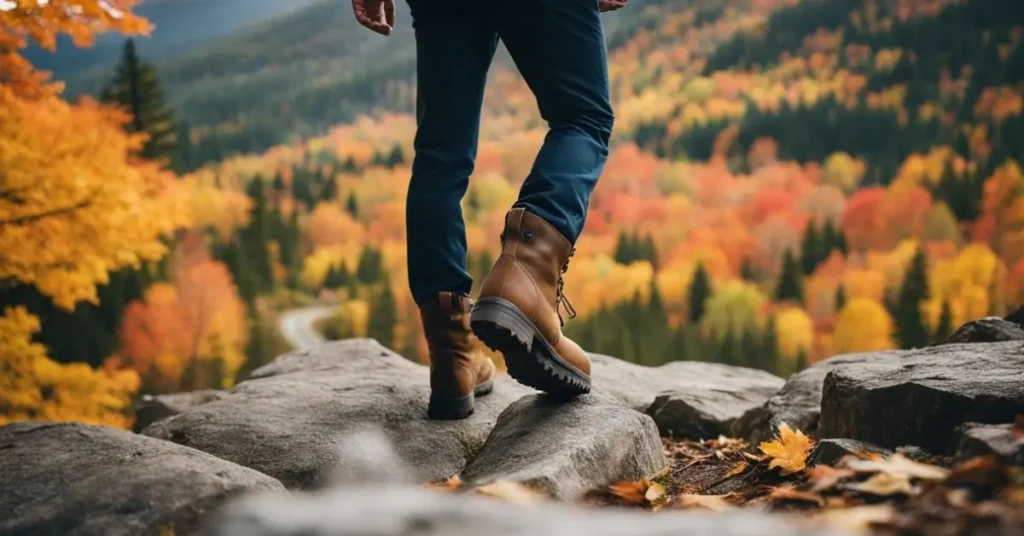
518, 309
459, 369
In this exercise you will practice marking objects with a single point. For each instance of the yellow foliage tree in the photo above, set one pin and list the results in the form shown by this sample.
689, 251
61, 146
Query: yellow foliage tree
42, 22
74, 204
733, 308
863, 325
794, 331
34, 387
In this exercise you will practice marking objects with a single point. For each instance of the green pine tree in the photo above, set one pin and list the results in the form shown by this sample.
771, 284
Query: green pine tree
747, 272
370, 267
840, 300
625, 248
769, 358
910, 328
352, 205
700, 291
812, 249
383, 315
945, 327
791, 284
135, 86
801, 361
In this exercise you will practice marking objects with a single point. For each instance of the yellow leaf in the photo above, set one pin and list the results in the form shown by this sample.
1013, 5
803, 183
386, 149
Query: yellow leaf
512, 492
715, 503
656, 492
885, 485
898, 464
738, 469
789, 451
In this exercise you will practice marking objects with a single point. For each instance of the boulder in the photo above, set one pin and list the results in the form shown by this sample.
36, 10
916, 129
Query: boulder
989, 329
798, 403
1002, 440
78, 479
153, 408
638, 386
389, 510
290, 419
919, 397
706, 405
567, 449
830, 451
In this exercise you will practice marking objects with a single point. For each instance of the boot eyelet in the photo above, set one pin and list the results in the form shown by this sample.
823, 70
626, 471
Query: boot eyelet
527, 234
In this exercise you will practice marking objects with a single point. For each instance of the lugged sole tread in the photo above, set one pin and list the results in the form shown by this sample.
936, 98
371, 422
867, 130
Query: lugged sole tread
525, 366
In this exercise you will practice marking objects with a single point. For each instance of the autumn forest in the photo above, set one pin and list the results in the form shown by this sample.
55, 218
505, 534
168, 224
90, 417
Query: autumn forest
789, 180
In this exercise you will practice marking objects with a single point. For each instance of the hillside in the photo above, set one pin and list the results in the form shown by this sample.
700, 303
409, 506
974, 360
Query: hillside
179, 26
789, 180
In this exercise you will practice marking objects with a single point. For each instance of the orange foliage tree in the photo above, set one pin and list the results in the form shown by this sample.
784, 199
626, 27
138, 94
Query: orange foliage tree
189, 334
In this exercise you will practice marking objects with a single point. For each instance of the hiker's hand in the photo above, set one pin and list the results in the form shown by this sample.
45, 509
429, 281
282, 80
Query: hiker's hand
377, 15
611, 5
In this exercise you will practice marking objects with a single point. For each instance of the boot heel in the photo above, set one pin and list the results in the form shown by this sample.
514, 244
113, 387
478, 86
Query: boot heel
451, 409
495, 320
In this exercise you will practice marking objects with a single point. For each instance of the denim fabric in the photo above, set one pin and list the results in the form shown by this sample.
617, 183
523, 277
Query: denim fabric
559, 47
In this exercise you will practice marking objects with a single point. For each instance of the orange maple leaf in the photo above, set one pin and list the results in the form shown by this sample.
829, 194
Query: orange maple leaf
789, 451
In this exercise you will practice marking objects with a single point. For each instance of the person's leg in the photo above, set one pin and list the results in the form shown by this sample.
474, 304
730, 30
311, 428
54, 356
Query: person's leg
559, 47
454, 45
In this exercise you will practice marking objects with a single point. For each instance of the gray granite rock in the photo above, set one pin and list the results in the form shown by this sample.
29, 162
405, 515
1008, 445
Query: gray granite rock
830, 451
76, 479
991, 439
707, 403
153, 408
290, 419
919, 397
989, 329
798, 403
567, 449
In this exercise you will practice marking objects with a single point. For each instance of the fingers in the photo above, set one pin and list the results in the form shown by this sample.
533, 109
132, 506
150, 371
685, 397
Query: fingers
611, 5
389, 12
377, 21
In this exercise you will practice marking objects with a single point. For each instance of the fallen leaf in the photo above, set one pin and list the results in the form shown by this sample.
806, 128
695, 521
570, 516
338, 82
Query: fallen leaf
884, 484
451, 484
826, 477
737, 469
788, 493
631, 491
868, 455
512, 492
715, 503
753, 457
857, 518
789, 452
986, 471
898, 464
655, 493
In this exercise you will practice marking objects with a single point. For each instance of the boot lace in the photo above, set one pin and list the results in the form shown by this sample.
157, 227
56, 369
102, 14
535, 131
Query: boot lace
562, 301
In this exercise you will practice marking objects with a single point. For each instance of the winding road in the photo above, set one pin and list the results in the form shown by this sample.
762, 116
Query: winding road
297, 325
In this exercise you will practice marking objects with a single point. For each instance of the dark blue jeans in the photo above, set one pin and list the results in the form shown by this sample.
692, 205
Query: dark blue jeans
559, 48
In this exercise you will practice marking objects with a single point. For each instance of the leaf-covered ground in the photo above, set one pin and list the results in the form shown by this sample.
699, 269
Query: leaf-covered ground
877, 494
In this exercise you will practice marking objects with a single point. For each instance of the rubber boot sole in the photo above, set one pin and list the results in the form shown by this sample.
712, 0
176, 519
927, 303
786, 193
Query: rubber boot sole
530, 359
454, 409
